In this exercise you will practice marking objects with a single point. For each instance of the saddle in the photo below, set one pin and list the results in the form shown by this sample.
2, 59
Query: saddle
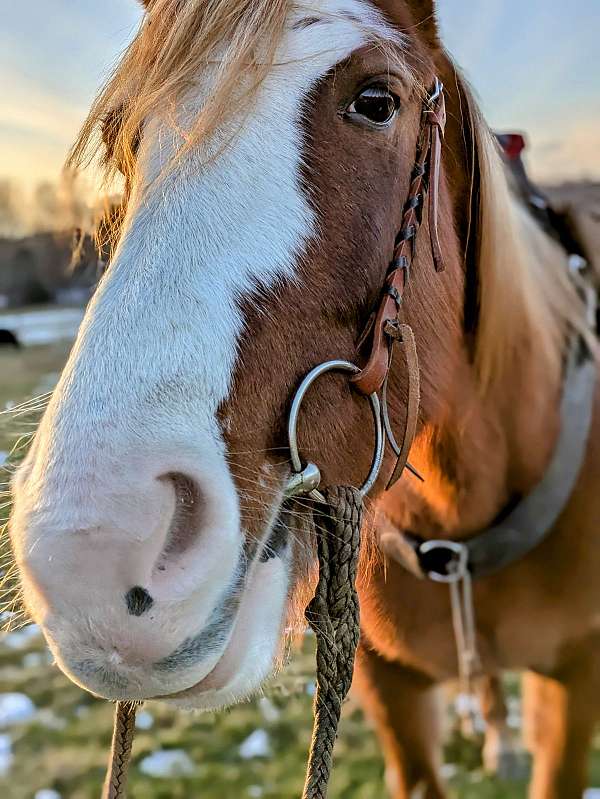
570, 214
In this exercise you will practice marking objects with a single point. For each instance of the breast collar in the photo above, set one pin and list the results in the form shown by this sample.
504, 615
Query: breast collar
527, 524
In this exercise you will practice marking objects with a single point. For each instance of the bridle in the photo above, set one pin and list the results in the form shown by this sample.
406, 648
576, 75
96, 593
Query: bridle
424, 183
384, 328
453, 562
333, 613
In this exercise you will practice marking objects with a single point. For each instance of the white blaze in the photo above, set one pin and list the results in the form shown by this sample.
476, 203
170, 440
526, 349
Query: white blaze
158, 347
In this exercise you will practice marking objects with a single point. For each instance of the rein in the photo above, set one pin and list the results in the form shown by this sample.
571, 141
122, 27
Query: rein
333, 613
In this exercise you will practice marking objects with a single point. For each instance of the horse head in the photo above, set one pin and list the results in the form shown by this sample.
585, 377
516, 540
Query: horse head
267, 149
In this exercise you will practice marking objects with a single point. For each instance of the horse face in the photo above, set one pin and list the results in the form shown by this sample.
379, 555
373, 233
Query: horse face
148, 520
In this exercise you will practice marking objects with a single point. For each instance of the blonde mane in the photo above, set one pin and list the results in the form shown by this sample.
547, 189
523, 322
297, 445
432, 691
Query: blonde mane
239, 37
525, 292
526, 299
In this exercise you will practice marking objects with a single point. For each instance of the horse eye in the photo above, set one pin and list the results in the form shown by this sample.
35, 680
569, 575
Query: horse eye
375, 104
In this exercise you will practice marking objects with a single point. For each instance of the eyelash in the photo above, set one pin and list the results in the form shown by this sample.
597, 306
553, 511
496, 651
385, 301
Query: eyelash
384, 104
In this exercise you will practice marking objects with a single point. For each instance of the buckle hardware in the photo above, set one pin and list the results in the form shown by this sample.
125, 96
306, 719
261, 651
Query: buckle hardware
432, 98
457, 564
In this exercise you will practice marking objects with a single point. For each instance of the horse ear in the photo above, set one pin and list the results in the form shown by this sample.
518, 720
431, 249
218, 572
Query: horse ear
424, 13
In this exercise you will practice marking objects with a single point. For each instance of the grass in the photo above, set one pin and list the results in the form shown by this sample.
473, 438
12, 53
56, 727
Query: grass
25, 373
63, 745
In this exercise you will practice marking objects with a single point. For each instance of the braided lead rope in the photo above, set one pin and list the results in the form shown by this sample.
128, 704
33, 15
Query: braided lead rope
334, 615
115, 784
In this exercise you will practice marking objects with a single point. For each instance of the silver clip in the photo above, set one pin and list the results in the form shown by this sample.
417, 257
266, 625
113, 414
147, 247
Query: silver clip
458, 578
438, 88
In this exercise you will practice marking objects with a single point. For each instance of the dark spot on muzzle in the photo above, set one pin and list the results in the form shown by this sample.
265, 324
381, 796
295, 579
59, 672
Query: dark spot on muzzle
138, 600
216, 632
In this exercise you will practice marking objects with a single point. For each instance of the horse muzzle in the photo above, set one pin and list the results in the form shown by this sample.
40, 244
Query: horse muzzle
147, 588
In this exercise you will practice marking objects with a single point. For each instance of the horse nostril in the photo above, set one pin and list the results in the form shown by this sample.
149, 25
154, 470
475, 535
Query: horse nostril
186, 520
138, 600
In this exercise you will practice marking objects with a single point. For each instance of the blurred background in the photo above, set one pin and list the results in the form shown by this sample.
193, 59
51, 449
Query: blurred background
536, 68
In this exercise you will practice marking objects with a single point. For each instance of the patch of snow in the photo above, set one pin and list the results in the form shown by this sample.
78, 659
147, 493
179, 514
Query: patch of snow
47, 793
466, 707
144, 720
311, 688
270, 712
514, 720
6, 755
20, 638
448, 770
15, 709
33, 659
591, 793
255, 791
257, 744
466, 703
167, 763
50, 720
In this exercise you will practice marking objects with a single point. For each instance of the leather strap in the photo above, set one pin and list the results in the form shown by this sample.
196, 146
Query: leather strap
528, 524
425, 180
436, 125
405, 340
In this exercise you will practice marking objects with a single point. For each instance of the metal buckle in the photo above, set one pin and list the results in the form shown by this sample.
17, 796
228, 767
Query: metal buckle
457, 566
438, 88
305, 479
458, 578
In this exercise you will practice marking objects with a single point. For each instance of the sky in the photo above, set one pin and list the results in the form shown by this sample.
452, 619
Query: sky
535, 65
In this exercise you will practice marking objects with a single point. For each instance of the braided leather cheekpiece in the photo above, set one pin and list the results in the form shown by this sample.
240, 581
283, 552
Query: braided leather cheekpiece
333, 614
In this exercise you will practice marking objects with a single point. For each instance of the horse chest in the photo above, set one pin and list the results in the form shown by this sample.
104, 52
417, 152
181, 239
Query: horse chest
409, 620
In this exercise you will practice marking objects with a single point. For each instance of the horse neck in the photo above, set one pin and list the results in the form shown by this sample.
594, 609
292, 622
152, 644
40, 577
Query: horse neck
477, 449
481, 452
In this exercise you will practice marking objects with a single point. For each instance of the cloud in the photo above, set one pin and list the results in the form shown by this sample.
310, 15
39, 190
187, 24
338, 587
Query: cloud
27, 106
530, 77
53, 57
36, 129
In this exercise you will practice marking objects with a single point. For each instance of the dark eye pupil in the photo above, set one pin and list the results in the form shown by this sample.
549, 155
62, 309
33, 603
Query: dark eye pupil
376, 105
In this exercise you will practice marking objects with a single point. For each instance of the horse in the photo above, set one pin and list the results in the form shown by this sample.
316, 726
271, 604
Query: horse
267, 148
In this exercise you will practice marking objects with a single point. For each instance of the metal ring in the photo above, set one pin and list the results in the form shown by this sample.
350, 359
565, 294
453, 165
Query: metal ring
314, 374
456, 548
